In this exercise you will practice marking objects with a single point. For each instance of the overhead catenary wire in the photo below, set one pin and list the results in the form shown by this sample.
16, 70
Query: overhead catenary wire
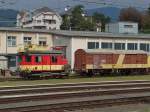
7, 2
111, 3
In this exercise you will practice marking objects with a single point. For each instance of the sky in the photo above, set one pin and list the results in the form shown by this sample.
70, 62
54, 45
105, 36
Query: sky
59, 5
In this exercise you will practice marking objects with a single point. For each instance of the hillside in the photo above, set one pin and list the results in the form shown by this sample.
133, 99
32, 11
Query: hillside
112, 12
8, 17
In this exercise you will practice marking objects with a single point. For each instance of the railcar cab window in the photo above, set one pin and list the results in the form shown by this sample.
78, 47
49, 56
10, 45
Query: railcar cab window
38, 59
54, 59
19, 59
93, 45
28, 58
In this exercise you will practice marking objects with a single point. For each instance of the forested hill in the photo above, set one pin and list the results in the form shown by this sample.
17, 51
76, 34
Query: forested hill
112, 12
8, 17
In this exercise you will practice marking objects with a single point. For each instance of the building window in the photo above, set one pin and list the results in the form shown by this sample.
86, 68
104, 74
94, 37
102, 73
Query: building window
128, 26
38, 21
42, 41
144, 47
27, 40
132, 46
106, 45
52, 22
12, 61
11, 41
119, 46
93, 45
38, 59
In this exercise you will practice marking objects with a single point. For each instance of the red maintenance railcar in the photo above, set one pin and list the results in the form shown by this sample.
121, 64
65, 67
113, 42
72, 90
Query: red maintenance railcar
34, 61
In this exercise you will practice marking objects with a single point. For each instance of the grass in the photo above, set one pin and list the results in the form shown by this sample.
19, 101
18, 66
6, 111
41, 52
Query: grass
73, 80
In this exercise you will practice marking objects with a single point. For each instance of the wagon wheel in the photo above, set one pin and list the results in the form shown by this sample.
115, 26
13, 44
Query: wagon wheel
67, 69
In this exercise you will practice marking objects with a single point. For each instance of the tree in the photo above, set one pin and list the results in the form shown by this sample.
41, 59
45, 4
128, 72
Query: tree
100, 19
131, 14
77, 20
66, 22
77, 17
146, 20
87, 25
148, 10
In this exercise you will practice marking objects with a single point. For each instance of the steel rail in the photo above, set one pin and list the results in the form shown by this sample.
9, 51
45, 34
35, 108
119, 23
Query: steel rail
71, 88
80, 103
70, 84
64, 95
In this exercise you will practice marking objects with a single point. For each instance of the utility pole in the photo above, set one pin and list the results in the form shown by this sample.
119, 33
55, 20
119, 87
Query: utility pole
68, 16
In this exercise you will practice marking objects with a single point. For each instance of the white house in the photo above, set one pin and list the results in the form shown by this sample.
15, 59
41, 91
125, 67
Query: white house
43, 18
122, 27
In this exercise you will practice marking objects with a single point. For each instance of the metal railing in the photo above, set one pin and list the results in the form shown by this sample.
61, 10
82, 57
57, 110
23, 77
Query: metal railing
32, 47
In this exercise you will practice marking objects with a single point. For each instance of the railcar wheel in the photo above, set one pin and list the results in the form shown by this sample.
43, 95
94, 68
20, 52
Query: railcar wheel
90, 73
82, 73
67, 69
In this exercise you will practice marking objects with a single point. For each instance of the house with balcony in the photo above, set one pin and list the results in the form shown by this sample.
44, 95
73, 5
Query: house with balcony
42, 18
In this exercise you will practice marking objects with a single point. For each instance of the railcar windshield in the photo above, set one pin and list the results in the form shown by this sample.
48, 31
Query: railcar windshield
28, 58
54, 59
38, 59
19, 59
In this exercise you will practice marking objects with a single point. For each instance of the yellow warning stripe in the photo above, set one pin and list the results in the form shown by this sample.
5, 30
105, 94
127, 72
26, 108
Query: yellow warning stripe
120, 60
43, 67
115, 66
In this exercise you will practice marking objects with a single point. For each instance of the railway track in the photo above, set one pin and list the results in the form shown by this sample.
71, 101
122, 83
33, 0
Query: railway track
63, 97
70, 84
74, 87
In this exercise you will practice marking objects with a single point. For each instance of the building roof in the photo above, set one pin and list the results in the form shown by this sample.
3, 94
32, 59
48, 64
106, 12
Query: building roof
110, 51
44, 10
125, 22
67, 33
98, 34
41, 10
42, 52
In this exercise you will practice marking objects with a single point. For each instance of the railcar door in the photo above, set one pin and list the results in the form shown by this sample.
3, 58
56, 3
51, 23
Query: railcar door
46, 63
38, 63
54, 62
96, 62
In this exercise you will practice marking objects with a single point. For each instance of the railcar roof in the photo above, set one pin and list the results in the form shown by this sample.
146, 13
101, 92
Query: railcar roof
83, 34
43, 52
109, 51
